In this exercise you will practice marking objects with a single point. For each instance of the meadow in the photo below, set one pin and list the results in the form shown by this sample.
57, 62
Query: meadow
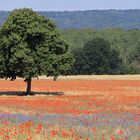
72, 108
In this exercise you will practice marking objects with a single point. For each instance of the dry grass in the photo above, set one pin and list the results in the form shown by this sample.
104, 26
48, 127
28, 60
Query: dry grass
91, 77
97, 77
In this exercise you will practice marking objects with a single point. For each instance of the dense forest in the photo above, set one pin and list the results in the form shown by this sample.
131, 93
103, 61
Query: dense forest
126, 43
128, 19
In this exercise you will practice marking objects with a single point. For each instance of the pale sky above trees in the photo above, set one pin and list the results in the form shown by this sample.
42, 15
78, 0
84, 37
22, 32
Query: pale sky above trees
69, 5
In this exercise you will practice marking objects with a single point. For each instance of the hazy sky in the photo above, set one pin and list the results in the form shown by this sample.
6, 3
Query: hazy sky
69, 5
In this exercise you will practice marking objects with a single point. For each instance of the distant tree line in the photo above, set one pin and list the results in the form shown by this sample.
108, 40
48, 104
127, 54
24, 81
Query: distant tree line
128, 19
108, 51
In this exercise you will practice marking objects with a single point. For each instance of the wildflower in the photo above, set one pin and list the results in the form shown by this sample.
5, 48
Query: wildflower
54, 132
112, 138
121, 132
70, 130
29, 138
63, 133
94, 128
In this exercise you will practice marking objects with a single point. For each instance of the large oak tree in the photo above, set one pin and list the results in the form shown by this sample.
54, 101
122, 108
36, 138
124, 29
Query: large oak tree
31, 46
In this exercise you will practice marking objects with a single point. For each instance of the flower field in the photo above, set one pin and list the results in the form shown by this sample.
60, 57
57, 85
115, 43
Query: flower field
86, 109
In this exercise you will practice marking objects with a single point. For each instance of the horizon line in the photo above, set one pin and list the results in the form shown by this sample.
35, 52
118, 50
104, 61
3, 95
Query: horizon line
72, 10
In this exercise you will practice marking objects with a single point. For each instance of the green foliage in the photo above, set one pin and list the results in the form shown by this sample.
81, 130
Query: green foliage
125, 42
97, 57
31, 46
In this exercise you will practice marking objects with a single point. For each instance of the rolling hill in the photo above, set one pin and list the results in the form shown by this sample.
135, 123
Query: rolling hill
128, 19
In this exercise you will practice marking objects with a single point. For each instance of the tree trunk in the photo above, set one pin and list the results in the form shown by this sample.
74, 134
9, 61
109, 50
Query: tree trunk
28, 91
55, 77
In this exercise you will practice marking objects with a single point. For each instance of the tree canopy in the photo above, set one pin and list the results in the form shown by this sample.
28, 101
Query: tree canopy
97, 57
31, 46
